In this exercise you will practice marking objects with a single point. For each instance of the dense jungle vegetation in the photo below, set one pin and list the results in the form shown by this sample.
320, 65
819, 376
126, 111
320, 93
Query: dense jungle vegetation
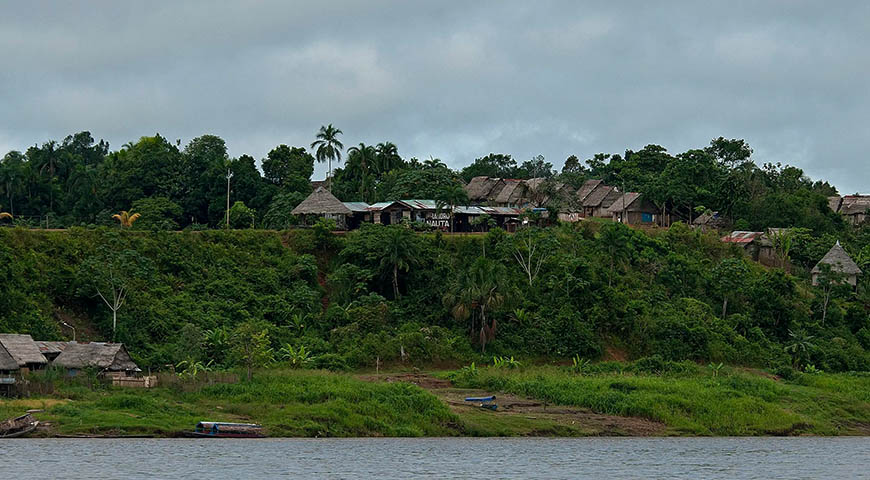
204, 297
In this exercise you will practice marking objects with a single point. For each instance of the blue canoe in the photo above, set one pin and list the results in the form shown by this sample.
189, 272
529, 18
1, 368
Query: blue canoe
480, 399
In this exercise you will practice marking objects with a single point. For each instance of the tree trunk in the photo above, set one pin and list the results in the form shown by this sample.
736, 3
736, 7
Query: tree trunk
825, 307
395, 282
724, 307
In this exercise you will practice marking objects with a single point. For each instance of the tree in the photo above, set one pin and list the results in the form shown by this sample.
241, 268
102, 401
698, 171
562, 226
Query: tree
492, 165
398, 253
475, 294
730, 279
125, 218
829, 280
531, 248
328, 146
290, 168
241, 216
251, 345
452, 196
279, 215
156, 213
799, 346
112, 275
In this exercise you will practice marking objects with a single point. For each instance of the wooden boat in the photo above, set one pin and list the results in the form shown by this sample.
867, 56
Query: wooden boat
483, 402
227, 430
18, 426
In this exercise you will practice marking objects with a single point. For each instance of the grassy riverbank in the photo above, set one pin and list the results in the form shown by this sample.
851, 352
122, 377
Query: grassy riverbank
553, 401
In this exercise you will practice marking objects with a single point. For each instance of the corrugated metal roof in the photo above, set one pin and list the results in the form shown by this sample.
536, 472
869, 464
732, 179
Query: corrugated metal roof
741, 236
357, 206
421, 204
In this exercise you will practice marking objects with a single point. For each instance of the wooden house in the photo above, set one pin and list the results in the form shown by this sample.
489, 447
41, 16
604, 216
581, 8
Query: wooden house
390, 213
24, 351
757, 245
322, 203
50, 350
110, 359
599, 200
841, 263
709, 221
8, 370
511, 194
855, 208
632, 208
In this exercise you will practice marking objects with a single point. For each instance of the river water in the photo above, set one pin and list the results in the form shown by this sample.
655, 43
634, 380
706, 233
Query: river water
454, 458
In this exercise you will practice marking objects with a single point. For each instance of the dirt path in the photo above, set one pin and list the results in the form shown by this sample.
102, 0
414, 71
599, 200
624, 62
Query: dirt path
522, 416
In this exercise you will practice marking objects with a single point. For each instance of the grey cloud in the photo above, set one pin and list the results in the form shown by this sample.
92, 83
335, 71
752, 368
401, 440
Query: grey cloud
455, 80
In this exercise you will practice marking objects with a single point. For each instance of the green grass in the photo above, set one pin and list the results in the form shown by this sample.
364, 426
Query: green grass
286, 402
734, 403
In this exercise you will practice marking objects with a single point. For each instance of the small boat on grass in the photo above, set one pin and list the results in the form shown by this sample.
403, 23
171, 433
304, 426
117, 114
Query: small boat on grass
18, 426
486, 403
227, 430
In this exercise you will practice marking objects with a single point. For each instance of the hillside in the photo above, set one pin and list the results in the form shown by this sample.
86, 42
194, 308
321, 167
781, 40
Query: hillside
386, 295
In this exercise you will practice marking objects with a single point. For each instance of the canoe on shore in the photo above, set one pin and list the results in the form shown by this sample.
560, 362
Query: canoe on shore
18, 426
226, 430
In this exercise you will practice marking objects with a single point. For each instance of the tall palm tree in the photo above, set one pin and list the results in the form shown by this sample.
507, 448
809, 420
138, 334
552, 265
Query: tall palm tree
361, 161
47, 160
400, 251
478, 291
328, 146
126, 219
451, 196
433, 162
388, 157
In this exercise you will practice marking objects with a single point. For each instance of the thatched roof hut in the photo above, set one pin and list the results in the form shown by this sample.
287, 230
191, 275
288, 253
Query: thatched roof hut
111, 357
7, 363
23, 349
839, 260
588, 187
321, 202
479, 189
511, 194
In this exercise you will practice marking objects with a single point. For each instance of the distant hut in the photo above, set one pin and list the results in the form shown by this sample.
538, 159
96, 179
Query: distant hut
854, 208
840, 262
709, 220
482, 190
390, 213
321, 203
632, 208
8, 368
596, 203
23, 349
111, 359
511, 194
757, 245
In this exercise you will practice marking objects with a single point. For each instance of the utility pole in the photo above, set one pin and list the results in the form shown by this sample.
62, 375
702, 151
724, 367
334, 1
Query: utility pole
229, 176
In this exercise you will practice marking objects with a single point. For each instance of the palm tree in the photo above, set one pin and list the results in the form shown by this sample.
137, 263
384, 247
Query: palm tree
361, 161
400, 252
388, 157
328, 146
47, 160
800, 345
126, 218
479, 291
434, 163
452, 196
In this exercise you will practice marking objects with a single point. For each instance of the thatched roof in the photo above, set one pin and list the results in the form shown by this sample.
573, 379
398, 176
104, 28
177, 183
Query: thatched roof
623, 202
854, 204
6, 360
321, 202
597, 196
105, 356
49, 348
480, 188
834, 203
511, 193
588, 187
22, 348
839, 260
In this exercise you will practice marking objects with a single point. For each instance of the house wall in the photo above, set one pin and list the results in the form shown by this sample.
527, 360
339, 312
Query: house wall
851, 280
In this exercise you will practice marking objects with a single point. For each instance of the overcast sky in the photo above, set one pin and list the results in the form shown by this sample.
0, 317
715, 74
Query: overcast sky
454, 80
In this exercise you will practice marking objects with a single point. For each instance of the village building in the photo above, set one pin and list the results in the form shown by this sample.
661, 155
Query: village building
321, 203
24, 351
482, 190
467, 218
8, 370
599, 200
633, 208
841, 263
110, 359
855, 208
709, 221
756, 245
390, 213
511, 194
